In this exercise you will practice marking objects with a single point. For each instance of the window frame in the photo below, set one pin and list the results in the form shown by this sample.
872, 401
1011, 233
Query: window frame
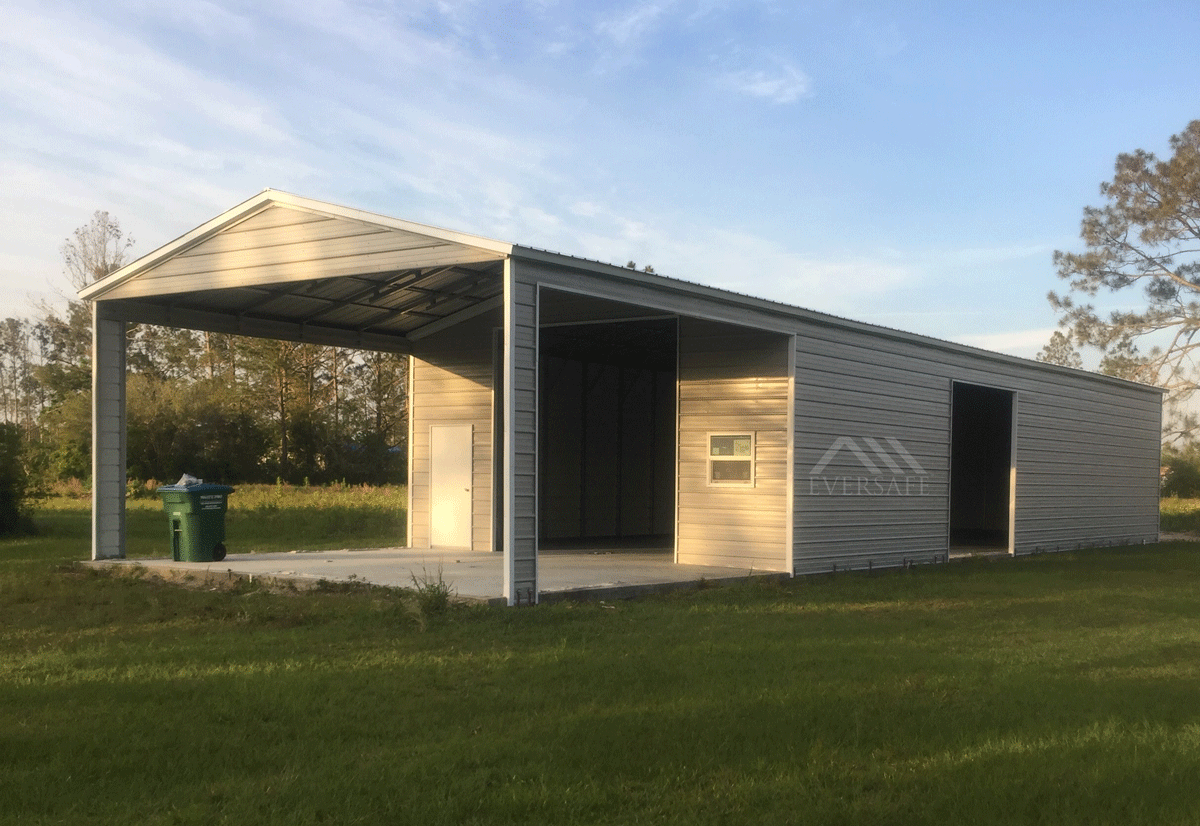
714, 460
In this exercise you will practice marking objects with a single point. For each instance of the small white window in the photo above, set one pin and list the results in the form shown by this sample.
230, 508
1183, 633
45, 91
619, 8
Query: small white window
731, 459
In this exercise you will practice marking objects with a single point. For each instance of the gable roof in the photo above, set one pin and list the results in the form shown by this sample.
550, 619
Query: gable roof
282, 265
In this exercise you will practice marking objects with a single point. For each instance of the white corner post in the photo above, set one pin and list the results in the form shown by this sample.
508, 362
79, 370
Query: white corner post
108, 434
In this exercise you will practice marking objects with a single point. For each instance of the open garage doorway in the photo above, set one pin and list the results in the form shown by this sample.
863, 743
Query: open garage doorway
982, 469
606, 447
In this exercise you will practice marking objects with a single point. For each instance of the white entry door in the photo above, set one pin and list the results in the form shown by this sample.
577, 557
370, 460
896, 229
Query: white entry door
450, 452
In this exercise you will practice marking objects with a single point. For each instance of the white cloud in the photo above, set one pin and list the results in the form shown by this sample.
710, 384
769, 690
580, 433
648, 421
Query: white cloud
880, 36
1026, 343
100, 116
196, 17
585, 209
764, 268
631, 25
962, 257
739, 261
564, 44
82, 76
783, 84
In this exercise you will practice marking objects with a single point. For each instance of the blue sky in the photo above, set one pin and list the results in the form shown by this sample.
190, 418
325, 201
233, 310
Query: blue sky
907, 164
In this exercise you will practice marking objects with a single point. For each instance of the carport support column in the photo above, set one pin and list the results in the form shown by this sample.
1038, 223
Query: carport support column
108, 434
520, 437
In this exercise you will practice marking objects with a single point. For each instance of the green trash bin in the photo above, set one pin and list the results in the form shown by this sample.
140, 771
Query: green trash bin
196, 514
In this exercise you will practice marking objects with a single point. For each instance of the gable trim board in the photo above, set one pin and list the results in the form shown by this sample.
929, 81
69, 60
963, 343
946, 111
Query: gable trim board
852, 423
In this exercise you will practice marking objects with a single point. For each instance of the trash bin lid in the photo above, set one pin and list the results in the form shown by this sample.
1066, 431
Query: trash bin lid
201, 488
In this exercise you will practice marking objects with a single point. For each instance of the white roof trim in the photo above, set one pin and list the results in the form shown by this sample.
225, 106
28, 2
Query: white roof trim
273, 197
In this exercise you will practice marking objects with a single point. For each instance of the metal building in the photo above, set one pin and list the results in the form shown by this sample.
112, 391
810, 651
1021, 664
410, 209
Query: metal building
561, 402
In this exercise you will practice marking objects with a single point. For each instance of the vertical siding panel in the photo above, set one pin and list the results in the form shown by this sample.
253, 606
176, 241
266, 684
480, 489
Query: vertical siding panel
732, 380
451, 382
854, 510
1087, 468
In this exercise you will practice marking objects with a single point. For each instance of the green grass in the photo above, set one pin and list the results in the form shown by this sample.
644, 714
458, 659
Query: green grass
1181, 515
260, 518
1056, 689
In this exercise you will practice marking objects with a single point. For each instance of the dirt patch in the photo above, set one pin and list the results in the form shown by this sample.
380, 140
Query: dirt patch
209, 580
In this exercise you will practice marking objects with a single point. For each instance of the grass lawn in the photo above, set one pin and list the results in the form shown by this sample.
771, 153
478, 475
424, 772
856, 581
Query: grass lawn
1181, 515
1056, 689
260, 518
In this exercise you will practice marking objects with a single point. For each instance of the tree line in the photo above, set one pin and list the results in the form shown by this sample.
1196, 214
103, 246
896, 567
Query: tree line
1142, 255
221, 407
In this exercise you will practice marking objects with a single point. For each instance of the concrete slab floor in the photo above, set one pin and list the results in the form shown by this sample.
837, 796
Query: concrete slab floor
474, 575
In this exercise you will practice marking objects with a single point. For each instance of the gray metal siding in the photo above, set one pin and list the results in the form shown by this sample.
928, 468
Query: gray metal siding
1087, 451
452, 382
845, 390
109, 435
1087, 467
732, 380
521, 405
1086, 447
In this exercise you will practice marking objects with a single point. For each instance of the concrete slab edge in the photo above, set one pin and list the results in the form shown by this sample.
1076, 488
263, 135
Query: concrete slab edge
229, 579
615, 592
